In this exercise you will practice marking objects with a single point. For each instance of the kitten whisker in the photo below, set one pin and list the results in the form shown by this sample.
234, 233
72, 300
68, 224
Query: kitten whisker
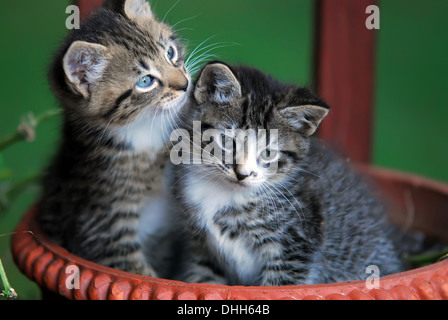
286, 198
196, 48
210, 47
172, 7
198, 64
266, 191
177, 31
314, 174
171, 126
100, 139
153, 119
186, 19
273, 193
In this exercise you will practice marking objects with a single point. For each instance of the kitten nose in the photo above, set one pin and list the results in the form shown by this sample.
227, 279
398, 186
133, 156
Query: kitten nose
243, 175
185, 87
178, 81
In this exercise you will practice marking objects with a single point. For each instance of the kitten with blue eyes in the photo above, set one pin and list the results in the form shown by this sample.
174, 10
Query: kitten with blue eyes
285, 211
122, 82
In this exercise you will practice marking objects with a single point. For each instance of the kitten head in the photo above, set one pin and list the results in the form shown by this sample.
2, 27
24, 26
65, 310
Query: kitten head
121, 66
260, 127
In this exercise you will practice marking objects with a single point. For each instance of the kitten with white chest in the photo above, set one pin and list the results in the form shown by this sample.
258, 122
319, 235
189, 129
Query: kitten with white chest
285, 212
121, 81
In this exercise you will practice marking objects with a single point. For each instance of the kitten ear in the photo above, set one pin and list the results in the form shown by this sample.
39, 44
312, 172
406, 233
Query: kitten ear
137, 8
305, 119
115, 6
217, 83
84, 64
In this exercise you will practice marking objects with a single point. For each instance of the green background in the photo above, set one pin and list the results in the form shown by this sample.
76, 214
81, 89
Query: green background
275, 36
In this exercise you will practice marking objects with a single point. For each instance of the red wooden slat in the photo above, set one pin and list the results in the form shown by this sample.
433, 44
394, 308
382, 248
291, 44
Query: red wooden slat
345, 75
86, 6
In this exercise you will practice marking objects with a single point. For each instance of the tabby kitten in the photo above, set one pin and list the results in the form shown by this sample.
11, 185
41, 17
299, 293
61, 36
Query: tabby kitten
121, 81
310, 220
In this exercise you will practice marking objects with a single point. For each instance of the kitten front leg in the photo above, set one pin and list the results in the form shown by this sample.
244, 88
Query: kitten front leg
275, 275
114, 243
199, 269
133, 263
281, 270
197, 273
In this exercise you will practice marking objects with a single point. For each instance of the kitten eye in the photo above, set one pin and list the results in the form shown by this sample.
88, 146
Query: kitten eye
171, 54
146, 82
226, 142
269, 155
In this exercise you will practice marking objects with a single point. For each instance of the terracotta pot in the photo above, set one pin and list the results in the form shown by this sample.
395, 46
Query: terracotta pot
47, 264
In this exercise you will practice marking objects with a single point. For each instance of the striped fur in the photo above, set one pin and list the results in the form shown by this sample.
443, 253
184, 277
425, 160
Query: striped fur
104, 194
312, 221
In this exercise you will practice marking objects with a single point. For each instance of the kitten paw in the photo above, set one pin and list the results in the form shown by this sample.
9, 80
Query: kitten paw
149, 272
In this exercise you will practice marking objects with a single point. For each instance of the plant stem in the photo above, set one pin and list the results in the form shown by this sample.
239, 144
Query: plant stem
10, 140
14, 191
22, 184
8, 290
427, 257
18, 136
48, 114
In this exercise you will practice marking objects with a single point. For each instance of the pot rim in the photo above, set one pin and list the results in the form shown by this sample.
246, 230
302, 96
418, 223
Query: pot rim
30, 243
